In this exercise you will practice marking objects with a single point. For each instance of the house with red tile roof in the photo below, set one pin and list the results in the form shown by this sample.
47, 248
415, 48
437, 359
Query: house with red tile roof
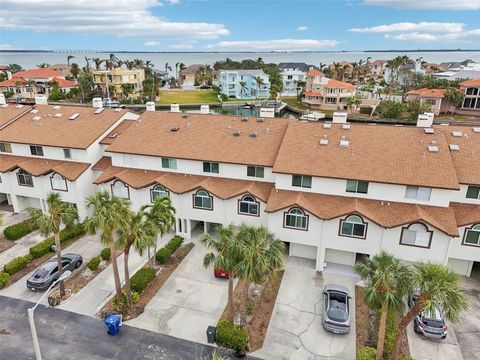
471, 102
433, 97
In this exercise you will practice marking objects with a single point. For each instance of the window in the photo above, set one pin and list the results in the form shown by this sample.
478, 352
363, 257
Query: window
248, 206
295, 218
210, 167
472, 236
354, 186
169, 163
67, 153
58, 182
255, 171
418, 193
353, 226
5, 147
473, 192
24, 178
302, 181
202, 200
158, 191
416, 235
36, 150
120, 190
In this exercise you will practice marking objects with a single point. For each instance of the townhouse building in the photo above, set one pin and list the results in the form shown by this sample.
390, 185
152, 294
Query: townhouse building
292, 74
324, 93
333, 192
112, 81
244, 84
51, 148
471, 102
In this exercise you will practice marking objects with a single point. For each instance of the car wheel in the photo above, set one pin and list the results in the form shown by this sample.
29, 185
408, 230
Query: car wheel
415, 327
78, 264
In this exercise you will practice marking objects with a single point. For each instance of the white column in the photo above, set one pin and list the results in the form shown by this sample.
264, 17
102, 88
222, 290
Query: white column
188, 230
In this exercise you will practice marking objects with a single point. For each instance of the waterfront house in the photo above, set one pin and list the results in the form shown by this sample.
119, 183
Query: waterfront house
471, 102
291, 74
244, 84
433, 97
115, 78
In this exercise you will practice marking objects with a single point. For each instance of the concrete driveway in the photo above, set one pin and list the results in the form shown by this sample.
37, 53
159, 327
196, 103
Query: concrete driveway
88, 246
10, 218
295, 331
190, 300
462, 342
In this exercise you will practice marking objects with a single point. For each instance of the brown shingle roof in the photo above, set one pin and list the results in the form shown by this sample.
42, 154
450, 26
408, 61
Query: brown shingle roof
466, 214
381, 153
43, 73
203, 137
37, 167
115, 133
62, 132
9, 113
104, 163
472, 82
466, 160
383, 213
223, 188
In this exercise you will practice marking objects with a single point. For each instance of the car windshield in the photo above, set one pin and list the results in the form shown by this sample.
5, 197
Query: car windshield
433, 323
337, 310
40, 274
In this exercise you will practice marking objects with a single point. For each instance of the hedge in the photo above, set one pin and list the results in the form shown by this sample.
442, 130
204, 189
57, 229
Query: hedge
163, 255
16, 231
4, 279
16, 265
105, 254
175, 243
94, 263
45, 246
366, 353
231, 336
142, 279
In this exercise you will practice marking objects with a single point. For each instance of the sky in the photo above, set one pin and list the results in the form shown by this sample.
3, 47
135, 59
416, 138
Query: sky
239, 25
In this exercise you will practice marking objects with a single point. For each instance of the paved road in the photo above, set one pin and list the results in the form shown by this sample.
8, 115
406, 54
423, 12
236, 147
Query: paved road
64, 335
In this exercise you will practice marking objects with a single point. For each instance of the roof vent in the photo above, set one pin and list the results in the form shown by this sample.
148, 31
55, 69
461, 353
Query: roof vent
74, 116
372, 124
236, 133
56, 107
457, 133
36, 118
261, 120
113, 136
253, 134
58, 115
324, 140
19, 106
327, 125
454, 147
476, 129
34, 111
118, 109
433, 148
175, 129
185, 115
244, 119
99, 111
346, 126
344, 142
429, 131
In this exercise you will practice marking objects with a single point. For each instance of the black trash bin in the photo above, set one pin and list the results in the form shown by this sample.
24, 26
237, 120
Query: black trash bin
211, 330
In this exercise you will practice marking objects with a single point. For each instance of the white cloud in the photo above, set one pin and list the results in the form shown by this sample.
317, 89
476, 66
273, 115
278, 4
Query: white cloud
465, 36
8, 47
408, 26
428, 4
111, 17
273, 45
302, 28
181, 46
151, 43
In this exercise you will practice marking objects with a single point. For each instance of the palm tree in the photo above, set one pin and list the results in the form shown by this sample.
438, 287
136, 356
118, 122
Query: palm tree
32, 85
439, 288
43, 65
386, 284
167, 67
59, 213
69, 57
176, 69
74, 70
259, 82
261, 255
322, 67
109, 215
127, 89
162, 216
225, 257
259, 62
243, 87
98, 62
87, 60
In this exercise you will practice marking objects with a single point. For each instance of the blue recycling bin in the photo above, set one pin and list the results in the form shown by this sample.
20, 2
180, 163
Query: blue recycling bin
113, 322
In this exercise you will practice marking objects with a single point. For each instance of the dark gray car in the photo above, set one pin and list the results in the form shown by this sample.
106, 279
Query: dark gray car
336, 314
47, 273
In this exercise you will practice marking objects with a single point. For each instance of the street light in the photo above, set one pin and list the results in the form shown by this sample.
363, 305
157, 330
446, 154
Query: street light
36, 345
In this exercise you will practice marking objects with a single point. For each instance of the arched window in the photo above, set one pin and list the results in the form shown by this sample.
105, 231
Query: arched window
158, 191
58, 182
472, 236
248, 206
295, 218
353, 226
24, 178
416, 234
202, 200
120, 190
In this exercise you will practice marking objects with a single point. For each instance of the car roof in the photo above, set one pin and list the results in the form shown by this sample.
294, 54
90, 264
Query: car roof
49, 265
337, 288
434, 315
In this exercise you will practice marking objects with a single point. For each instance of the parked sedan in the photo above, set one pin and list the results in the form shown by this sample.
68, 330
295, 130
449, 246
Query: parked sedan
431, 325
47, 273
220, 273
336, 314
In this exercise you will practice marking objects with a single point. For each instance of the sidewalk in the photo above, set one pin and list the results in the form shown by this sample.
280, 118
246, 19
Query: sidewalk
97, 292
21, 247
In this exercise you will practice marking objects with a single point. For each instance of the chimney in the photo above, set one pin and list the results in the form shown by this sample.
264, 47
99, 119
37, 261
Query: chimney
204, 109
150, 106
2, 99
174, 108
97, 102
41, 100
339, 117
424, 121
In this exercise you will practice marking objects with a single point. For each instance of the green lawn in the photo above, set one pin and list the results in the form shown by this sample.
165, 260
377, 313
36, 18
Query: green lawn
292, 101
188, 97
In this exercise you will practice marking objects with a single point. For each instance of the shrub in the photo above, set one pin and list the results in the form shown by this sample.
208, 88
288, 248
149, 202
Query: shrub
121, 304
250, 308
174, 243
94, 263
366, 353
390, 333
4, 279
16, 265
16, 231
163, 255
41, 248
142, 279
231, 336
105, 254
71, 232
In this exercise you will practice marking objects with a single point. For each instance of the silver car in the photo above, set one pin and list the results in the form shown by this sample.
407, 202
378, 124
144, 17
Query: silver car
336, 314
47, 273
